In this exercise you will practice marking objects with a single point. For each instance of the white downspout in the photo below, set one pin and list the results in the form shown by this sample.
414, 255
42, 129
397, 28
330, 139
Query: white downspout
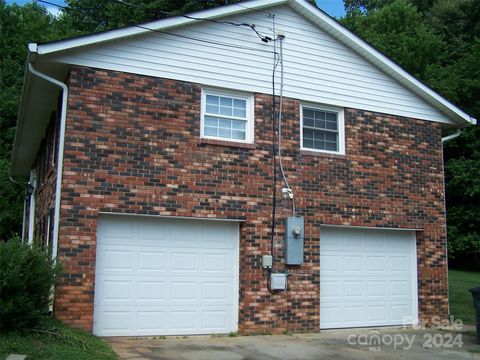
450, 137
31, 214
61, 142
24, 217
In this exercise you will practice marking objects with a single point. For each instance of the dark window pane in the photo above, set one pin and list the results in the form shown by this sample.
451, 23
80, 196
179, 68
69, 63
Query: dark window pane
319, 115
308, 113
308, 133
329, 136
308, 122
319, 135
320, 124
331, 116
308, 143
331, 146
318, 144
331, 125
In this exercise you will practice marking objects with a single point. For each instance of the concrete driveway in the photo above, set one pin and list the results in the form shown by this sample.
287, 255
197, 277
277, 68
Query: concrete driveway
358, 344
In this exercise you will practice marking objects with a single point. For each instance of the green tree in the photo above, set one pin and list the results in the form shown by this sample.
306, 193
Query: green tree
19, 25
92, 16
397, 29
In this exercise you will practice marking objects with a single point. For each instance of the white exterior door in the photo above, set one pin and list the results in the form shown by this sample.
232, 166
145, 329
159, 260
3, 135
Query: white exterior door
165, 276
367, 277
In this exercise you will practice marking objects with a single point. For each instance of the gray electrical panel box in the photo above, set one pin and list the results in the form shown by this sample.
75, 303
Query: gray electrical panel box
294, 240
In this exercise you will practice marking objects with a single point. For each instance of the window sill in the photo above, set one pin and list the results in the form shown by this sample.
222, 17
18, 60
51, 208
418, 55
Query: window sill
226, 143
323, 154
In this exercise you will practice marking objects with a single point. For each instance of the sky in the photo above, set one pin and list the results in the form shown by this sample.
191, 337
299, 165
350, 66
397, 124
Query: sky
332, 7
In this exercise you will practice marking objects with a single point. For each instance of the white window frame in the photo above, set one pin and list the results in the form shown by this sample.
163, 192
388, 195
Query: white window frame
249, 128
341, 128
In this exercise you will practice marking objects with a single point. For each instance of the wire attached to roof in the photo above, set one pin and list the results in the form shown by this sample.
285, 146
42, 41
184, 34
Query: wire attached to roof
264, 38
176, 35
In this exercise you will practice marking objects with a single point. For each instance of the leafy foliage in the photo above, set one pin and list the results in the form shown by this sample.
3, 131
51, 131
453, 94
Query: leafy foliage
92, 16
397, 29
27, 274
19, 26
52, 340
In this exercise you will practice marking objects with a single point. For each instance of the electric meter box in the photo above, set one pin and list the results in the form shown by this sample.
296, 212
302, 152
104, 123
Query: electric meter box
278, 282
293, 240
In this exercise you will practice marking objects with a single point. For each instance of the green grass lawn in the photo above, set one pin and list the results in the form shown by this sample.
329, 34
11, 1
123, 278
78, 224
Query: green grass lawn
461, 303
56, 341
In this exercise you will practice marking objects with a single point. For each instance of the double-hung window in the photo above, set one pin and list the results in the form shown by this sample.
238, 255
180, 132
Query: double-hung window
227, 116
322, 130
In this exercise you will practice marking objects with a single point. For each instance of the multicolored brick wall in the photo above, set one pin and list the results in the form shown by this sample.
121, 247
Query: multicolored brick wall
44, 192
133, 146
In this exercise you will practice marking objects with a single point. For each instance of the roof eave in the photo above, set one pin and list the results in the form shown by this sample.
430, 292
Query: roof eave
162, 24
14, 168
353, 41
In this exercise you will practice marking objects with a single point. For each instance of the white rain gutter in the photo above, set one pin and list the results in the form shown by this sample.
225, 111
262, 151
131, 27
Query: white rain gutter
31, 212
58, 187
450, 137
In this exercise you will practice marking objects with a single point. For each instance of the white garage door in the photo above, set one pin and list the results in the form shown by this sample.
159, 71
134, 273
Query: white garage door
165, 276
367, 277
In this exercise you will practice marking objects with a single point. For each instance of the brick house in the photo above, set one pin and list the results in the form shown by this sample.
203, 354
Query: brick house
150, 151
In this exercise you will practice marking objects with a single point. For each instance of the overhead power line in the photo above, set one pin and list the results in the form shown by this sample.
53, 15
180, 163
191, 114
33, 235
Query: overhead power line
178, 35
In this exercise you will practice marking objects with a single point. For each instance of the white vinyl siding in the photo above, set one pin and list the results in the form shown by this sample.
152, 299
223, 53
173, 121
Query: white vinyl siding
227, 116
318, 68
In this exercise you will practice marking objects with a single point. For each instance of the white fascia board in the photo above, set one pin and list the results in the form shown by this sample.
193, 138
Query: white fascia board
20, 121
228, 10
341, 33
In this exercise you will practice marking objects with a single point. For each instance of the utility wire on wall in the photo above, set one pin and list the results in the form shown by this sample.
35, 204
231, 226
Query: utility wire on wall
287, 191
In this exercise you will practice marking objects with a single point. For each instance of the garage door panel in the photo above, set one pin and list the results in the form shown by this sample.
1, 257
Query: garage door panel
376, 313
399, 264
152, 261
353, 314
216, 291
353, 263
150, 321
151, 291
116, 322
215, 263
353, 289
167, 284
367, 277
399, 289
183, 262
332, 290
214, 320
115, 260
115, 231
376, 263
116, 292
185, 320
376, 289
330, 263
